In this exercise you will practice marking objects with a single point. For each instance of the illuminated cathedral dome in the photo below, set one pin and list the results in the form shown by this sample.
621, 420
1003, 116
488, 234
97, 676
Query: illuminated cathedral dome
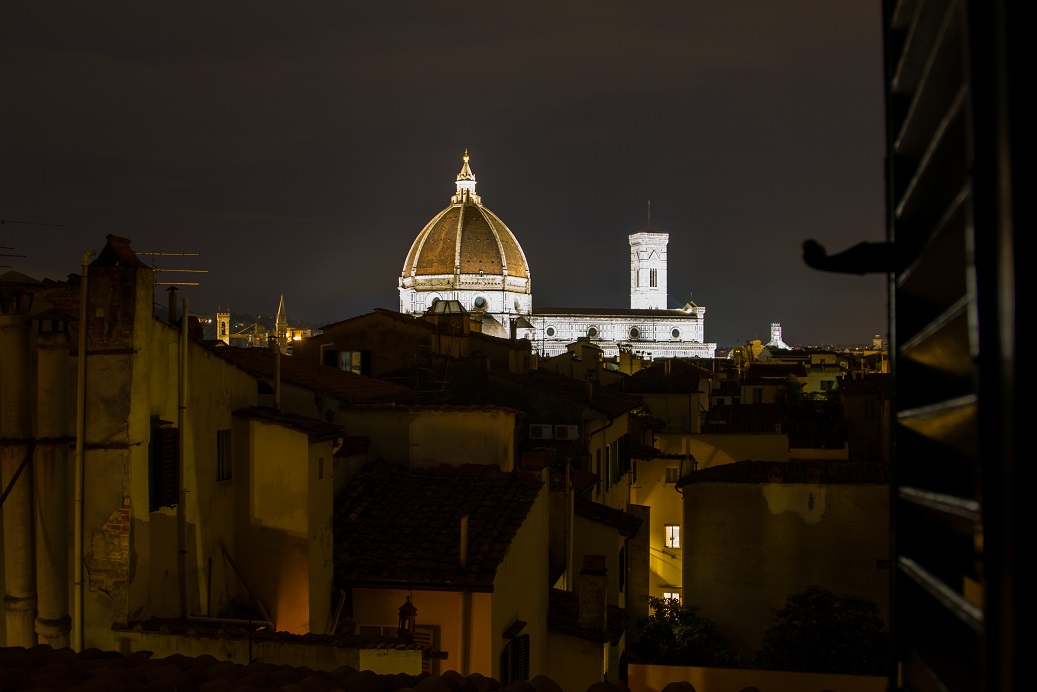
466, 253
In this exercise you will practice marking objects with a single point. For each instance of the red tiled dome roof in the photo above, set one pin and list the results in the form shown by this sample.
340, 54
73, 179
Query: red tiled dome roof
465, 239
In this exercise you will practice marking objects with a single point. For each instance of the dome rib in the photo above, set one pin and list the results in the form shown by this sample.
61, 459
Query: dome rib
466, 247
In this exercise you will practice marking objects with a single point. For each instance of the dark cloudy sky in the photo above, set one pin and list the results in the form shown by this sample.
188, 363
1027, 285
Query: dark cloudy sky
299, 147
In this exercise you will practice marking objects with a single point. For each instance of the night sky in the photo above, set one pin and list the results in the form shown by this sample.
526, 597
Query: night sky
299, 147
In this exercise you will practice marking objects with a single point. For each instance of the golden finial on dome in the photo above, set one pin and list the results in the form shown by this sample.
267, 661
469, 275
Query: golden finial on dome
465, 157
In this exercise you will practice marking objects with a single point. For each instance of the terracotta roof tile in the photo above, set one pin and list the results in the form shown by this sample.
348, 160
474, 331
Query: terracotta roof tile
396, 524
671, 375
605, 399
743, 418
627, 524
779, 370
315, 429
868, 383
348, 387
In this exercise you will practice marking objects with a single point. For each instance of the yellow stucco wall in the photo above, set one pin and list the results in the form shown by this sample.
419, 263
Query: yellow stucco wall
711, 449
286, 554
575, 664
784, 538
520, 590
441, 609
665, 565
416, 436
519, 594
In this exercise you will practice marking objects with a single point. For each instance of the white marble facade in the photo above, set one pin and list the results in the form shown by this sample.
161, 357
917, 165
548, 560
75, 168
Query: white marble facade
493, 280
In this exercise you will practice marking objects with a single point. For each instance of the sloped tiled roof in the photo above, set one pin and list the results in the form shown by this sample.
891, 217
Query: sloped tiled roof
672, 376
728, 388
563, 617
872, 383
627, 524
386, 314
315, 429
45, 669
827, 472
782, 370
602, 398
743, 418
400, 525
348, 387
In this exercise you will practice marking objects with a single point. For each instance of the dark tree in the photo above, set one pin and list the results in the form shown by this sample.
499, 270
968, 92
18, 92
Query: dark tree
821, 632
676, 635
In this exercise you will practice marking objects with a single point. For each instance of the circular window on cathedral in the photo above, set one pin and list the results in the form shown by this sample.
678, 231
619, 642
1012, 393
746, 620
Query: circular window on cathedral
434, 300
593, 332
675, 333
480, 302
551, 331
635, 333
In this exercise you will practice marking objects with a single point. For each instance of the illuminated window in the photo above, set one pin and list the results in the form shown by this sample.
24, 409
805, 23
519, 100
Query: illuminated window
672, 595
673, 536
349, 361
223, 464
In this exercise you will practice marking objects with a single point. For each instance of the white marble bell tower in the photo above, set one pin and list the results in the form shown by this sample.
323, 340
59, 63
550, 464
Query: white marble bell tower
648, 270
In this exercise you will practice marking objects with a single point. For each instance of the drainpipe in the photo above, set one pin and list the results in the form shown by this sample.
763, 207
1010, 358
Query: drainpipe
15, 450
466, 604
181, 509
51, 484
77, 532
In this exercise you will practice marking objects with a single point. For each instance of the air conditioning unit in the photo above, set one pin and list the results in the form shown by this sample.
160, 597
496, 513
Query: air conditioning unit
540, 431
566, 432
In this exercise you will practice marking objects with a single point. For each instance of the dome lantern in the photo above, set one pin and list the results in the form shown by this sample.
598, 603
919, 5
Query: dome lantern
465, 185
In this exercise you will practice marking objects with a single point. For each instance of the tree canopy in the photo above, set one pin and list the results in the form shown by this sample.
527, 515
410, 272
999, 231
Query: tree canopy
676, 635
822, 632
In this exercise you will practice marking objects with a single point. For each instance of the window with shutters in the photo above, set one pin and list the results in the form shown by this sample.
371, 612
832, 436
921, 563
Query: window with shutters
223, 466
514, 663
164, 472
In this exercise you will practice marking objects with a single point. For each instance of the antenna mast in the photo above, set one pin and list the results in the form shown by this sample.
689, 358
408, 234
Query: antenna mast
7, 247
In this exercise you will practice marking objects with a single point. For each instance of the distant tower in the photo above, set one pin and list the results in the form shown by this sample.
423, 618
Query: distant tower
648, 268
223, 327
776, 341
281, 327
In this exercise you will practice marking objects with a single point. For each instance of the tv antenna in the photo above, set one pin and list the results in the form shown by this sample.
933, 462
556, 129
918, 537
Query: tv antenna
158, 270
7, 247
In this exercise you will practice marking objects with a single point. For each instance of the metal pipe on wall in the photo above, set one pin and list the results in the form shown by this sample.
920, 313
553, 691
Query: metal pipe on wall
77, 532
51, 485
181, 509
15, 439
